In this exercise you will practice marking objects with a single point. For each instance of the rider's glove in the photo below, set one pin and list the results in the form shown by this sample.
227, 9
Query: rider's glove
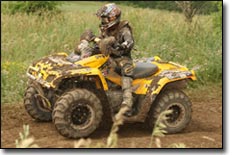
83, 49
87, 35
124, 45
106, 44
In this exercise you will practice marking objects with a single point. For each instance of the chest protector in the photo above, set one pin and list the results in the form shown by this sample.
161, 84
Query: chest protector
118, 31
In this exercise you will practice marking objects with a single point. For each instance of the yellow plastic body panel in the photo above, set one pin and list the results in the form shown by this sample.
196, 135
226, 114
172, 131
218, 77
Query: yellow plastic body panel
141, 85
94, 61
49, 71
90, 72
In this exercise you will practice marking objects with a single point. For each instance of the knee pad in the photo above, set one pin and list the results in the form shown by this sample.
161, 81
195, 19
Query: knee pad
128, 70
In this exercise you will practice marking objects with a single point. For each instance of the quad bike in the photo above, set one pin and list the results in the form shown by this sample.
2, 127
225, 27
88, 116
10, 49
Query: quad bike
79, 95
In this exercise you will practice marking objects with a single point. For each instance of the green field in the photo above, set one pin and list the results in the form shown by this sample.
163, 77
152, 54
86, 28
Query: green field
28, 37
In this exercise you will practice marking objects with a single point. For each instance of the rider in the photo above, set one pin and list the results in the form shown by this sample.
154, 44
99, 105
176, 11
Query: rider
111, 25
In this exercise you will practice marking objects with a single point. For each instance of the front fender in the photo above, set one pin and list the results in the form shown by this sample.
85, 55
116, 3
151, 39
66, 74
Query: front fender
53, 78
80, 72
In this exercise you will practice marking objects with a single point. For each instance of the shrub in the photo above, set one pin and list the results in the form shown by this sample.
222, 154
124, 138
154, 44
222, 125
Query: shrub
35, 7
209, 6
217, 20
13, 81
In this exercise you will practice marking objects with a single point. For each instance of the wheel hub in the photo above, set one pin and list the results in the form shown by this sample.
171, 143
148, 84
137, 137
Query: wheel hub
80, 114
177, 115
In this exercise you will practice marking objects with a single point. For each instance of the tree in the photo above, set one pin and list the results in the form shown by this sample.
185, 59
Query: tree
190, 8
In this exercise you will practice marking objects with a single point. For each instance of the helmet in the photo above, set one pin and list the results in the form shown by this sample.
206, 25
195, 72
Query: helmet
110, 15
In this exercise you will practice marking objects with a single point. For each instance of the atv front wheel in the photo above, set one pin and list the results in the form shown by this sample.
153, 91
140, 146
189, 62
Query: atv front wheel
34, 106
179, 103
77, 113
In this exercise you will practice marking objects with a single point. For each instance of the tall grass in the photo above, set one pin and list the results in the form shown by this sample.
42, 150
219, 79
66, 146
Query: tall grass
28, 37
25, 141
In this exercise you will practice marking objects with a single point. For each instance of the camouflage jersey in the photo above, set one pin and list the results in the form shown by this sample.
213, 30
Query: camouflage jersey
123, 35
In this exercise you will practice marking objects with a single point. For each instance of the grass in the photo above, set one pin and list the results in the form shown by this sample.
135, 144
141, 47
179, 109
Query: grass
25, 141
28, 37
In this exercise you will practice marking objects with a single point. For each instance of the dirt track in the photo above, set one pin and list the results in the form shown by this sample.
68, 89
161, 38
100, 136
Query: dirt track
204, 131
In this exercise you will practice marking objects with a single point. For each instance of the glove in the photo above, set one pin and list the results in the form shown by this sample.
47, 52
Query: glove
81, 46
124, 45
83, 49
106, 45
87, 35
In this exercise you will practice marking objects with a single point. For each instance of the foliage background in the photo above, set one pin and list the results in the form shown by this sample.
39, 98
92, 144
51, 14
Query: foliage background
30, 36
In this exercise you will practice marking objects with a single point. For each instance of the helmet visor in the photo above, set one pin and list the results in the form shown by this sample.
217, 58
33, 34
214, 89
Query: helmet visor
105, 20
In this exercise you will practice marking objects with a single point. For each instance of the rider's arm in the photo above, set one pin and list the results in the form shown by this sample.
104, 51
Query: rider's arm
126, 45
128, 40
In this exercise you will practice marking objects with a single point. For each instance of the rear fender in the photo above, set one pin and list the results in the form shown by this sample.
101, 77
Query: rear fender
170, 76
157, 84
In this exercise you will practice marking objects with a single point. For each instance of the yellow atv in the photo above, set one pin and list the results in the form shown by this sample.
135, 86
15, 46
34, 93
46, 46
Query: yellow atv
79, 95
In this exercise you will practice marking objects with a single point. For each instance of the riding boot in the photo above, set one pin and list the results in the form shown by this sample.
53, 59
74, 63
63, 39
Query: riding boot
127, 93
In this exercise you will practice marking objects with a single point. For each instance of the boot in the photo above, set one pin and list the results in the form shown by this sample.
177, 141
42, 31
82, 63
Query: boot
127, 94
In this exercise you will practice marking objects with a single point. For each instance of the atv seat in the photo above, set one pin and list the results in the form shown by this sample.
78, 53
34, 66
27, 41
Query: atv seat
143, 70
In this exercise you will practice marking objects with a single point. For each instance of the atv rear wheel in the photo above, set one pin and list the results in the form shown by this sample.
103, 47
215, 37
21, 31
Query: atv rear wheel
179, 103
77, 113
34, 106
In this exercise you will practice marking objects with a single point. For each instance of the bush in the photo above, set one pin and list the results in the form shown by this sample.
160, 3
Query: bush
35, 7
13, 81
208, 6
217, 20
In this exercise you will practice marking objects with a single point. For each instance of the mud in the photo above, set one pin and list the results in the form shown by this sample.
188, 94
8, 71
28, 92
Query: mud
204, 131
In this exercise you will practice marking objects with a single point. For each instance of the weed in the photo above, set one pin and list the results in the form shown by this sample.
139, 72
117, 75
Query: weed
25, 141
